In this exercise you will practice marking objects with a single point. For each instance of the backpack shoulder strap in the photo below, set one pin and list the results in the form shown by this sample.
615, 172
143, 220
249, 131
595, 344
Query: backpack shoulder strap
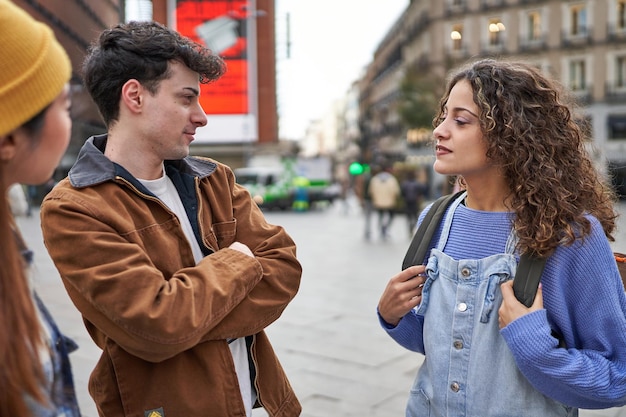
527, 278
424, 234
529, 270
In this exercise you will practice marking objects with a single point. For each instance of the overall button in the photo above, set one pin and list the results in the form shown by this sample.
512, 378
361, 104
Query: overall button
455, 386
462, 307
458, 344
466, 272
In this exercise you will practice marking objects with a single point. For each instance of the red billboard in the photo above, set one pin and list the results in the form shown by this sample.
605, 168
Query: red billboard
221, 26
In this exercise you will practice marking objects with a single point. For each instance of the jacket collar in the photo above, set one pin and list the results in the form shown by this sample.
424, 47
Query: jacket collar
92, 167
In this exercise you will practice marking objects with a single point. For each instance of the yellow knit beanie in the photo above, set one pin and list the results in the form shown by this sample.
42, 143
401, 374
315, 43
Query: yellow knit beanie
34, 67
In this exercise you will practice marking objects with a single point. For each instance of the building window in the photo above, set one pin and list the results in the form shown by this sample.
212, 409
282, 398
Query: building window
496, 32
620, 72
534, 25
621, 15
578, 14
617, 126
577, 75
457, 37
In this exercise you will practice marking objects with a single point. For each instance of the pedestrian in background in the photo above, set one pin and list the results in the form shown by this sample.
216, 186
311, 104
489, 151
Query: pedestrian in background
499, 124
384, 191
362, 191
35, 371
413, 192
174, 268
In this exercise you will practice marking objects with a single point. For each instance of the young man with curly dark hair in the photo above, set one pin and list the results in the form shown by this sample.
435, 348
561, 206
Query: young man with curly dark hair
172, 265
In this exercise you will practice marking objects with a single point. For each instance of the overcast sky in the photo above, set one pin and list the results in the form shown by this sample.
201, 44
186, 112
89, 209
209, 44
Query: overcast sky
331, 42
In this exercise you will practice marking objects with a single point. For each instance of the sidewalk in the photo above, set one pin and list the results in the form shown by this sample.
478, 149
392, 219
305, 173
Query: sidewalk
340, 363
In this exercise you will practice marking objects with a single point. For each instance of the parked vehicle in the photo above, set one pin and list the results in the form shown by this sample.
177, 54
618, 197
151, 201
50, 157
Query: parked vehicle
269, 186
318, 171
290, 183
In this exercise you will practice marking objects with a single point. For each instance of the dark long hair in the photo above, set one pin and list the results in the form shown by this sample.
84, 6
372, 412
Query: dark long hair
20, 329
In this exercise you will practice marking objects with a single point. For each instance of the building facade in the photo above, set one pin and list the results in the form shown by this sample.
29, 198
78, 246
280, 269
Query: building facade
580, 42
76, 23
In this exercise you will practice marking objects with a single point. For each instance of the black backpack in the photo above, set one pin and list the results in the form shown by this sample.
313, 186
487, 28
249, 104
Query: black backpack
529, 269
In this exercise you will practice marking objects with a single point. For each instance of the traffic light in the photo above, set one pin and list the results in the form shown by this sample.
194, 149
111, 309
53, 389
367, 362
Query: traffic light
356, 168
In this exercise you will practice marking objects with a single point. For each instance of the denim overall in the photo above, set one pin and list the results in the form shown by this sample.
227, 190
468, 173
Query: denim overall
468, 369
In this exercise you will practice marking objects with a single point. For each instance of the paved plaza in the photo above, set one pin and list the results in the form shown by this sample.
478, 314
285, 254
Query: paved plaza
340, 363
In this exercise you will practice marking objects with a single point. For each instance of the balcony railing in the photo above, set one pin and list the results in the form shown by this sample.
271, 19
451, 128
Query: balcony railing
616, 34
583, 95
492, 4
457, 54
456, 9
614, 92
536, 44
582, 37
493, 48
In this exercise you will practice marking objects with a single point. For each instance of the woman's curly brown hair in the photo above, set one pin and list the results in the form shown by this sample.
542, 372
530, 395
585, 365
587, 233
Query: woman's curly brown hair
532, 134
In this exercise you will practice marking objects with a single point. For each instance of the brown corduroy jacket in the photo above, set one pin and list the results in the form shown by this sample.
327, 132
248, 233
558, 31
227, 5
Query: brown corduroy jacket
162, 321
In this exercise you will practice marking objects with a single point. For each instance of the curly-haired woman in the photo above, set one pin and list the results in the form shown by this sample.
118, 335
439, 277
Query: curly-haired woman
531, 187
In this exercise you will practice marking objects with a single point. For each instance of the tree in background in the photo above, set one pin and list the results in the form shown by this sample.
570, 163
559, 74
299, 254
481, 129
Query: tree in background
419, 97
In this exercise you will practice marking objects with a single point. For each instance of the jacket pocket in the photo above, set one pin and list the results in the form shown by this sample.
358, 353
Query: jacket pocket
225, 233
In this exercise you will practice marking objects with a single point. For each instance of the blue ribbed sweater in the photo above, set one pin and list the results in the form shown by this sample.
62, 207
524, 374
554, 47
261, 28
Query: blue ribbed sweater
584, 301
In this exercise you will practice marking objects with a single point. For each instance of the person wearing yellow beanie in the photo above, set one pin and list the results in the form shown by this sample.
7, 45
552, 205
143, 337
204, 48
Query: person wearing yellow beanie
34, 67
35, 125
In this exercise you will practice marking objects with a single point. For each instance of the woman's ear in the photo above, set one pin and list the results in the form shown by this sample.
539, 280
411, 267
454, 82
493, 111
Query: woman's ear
8, 145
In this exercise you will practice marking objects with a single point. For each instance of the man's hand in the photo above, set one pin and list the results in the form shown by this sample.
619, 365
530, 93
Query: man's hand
403, 293
511, 308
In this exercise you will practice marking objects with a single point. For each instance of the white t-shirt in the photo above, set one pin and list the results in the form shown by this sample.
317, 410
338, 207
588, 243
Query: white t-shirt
165, 190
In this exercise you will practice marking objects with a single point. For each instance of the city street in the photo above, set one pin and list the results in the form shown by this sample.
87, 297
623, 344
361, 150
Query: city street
340, 363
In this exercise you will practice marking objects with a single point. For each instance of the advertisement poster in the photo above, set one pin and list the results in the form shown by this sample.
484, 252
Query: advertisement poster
222, 25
